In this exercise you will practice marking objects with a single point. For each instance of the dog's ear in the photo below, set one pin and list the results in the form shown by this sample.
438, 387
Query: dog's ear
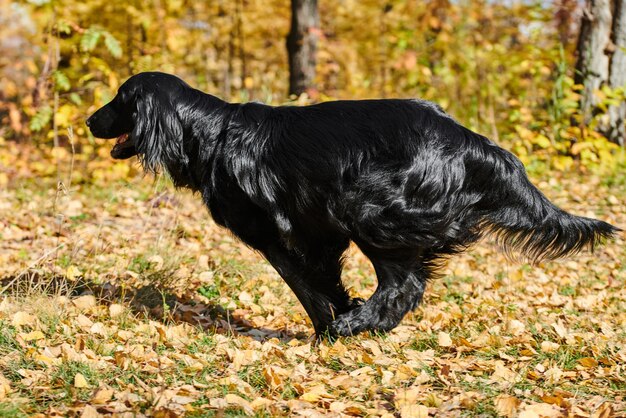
158, 132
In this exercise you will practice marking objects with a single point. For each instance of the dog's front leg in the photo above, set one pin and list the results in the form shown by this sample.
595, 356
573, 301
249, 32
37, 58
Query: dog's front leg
401, 285
315, 278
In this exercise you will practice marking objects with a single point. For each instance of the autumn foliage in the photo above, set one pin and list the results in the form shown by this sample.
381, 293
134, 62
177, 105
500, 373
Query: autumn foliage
120, 296
504, 69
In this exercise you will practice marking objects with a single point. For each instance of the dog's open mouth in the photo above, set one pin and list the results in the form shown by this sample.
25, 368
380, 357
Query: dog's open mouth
124, 147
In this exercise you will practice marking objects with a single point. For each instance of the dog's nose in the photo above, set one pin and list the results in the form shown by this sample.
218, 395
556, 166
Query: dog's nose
88, 122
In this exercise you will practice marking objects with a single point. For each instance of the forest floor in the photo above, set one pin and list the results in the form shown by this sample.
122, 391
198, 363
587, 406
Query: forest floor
120, 296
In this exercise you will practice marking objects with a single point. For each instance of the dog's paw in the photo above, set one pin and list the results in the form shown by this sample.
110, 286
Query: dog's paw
349, 323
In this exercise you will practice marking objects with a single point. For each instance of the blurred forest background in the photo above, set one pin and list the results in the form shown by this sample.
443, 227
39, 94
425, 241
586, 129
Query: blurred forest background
503, 68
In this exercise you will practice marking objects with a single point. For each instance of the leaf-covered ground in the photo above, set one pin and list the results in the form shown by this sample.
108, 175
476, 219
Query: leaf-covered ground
122, 297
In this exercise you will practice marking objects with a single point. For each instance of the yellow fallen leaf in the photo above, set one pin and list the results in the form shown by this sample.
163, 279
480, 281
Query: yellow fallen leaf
549, 347
85, 302
560, 329
90, 412
33, 335
116, 310
218, 403
355, 410
604, 411
102, 395
274, 376
98, 328
588, 362
515, 327
444, 340
506, 405
5, 388
23, 318
408, 396
588, 302
80, 381
540, 410
84, 322
44, 359
72, 273
414, 411
245, 297
554, 400
261, 403
233, 399
310, 397
404, 372
315, 393
502, 374
553, 374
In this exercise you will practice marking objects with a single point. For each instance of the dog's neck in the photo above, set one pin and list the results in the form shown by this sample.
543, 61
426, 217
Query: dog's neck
205, 121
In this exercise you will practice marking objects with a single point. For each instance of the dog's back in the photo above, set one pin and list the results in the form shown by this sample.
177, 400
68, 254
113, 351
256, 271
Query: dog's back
398, 173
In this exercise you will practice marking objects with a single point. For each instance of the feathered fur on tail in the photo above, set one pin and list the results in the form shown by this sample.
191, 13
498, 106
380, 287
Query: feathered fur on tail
556, 236
531, 224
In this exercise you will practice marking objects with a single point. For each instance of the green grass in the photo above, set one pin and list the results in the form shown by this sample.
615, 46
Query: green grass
12, 369
63, 379
139, 264
425, 343
253, 375
8, 343
211, 292
567, 290
11, 410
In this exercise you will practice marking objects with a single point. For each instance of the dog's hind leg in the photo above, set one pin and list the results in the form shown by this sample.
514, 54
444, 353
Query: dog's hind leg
402, 278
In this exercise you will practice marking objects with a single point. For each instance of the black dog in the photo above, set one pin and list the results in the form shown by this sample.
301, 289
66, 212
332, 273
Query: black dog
400, 178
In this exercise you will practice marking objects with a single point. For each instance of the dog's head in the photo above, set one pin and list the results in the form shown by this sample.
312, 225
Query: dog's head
143, 118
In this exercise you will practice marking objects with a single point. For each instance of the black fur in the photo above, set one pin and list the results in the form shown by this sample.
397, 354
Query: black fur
400, 178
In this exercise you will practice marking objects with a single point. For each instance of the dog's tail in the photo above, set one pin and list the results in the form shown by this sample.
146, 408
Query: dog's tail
529, 223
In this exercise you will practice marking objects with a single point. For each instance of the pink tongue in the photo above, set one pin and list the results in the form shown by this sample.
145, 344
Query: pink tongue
121, 139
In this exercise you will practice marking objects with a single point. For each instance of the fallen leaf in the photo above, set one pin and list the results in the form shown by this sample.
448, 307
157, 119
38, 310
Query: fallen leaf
541, 410
89, 412
115, 310
560, 329
503, 374
72, 273
233, 399
102, 395
588, 362
246, 297
33, 335
549, 347
515, 327
85, 302
414, 411
22, 318
444, 340
80, 381
506, 405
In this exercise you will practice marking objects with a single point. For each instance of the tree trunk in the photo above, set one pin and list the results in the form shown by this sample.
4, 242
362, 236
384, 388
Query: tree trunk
602, 61
302, 45
592, 68
617, 78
